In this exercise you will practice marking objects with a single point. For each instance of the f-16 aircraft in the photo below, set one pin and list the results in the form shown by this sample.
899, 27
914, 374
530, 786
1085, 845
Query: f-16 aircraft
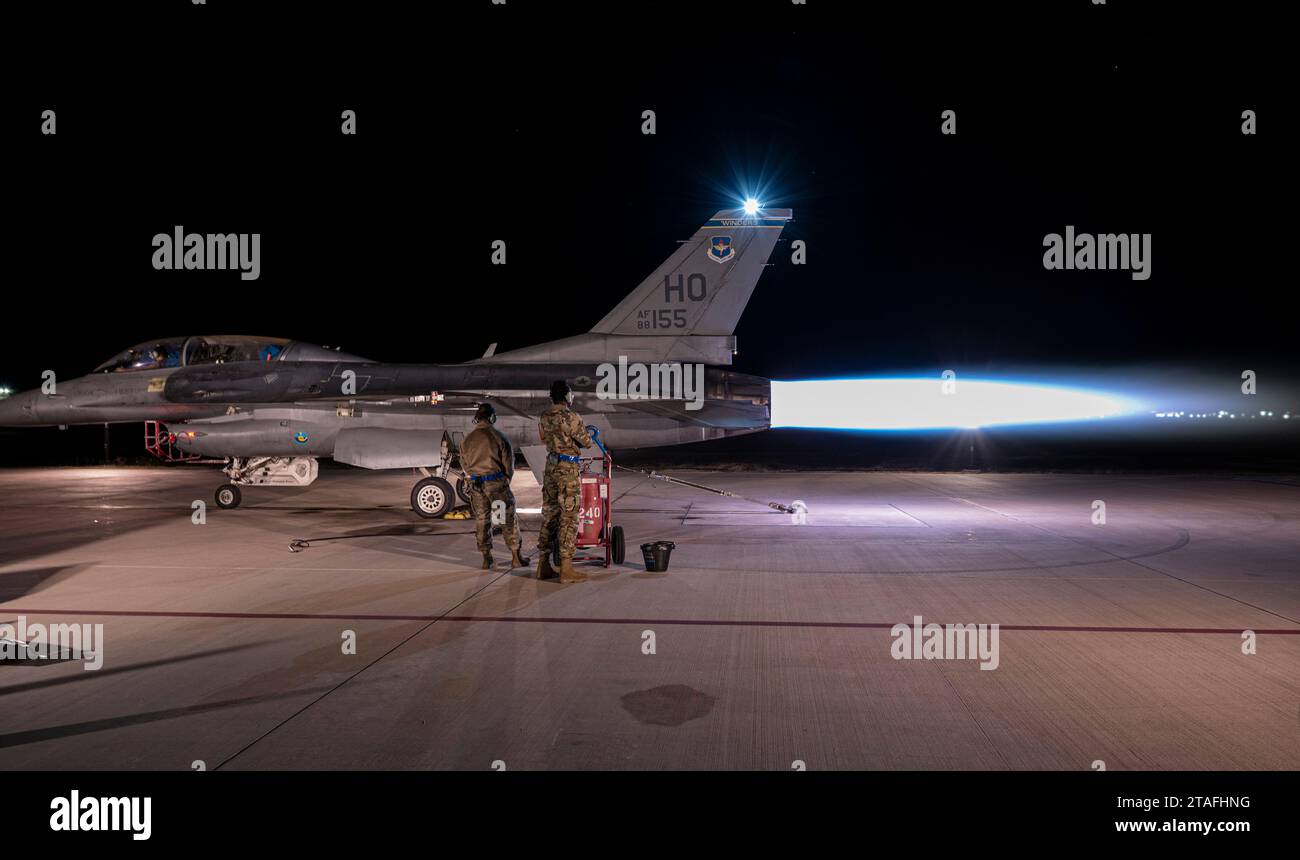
270, 407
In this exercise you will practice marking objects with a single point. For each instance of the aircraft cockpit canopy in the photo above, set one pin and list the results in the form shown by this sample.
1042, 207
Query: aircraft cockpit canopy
225, 348
177, 352
150, 355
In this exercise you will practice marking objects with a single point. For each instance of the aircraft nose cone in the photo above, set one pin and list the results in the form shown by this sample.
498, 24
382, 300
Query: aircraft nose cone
17, 411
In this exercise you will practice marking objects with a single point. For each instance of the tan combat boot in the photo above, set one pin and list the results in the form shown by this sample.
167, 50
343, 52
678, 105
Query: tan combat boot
517, 560
568, 574
544, 569
487, 559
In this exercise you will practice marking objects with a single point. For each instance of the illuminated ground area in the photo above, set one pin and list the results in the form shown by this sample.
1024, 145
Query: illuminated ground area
772, 639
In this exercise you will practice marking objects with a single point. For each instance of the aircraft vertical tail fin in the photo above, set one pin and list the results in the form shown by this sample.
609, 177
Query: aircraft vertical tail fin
703, 288
688, 309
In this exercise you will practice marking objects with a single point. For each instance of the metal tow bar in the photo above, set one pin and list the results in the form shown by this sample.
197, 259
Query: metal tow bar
668, 479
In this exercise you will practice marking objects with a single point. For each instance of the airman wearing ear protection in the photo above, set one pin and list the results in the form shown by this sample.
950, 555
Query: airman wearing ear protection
565, 437
489, 463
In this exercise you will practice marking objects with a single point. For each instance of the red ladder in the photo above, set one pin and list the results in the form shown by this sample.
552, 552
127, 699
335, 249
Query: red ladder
161, 442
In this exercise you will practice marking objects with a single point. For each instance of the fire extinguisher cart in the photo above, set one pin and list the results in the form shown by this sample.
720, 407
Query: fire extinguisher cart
596, 531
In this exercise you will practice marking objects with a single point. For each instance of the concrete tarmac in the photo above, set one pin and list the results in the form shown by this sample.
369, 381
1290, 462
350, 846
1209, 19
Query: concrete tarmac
1119, 642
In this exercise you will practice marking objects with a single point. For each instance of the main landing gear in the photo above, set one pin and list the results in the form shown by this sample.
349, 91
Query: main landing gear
433, 495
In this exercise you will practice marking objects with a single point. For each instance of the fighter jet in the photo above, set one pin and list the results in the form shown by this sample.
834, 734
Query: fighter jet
655, 371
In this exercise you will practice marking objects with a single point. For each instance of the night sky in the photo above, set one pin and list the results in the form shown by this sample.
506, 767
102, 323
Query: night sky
523, 124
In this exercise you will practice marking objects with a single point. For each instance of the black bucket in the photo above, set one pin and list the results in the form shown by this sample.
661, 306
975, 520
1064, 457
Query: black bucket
657, 554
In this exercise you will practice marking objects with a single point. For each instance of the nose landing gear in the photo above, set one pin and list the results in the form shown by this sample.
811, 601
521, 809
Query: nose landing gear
273, 471
228, 496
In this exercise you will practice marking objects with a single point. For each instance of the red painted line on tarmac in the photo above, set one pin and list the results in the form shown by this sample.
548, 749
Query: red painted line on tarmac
699, 622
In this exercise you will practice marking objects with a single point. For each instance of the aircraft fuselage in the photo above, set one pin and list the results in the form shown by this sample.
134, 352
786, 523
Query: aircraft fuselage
243, 409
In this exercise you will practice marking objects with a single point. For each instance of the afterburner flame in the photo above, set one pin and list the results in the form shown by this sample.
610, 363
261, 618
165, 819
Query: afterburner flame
934, 403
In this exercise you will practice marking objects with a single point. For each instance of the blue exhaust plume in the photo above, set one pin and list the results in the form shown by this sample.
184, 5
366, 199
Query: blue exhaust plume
934, 403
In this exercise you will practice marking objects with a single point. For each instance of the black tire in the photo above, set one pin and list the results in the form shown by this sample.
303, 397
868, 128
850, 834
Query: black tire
616, 545
462, 489
228, 496
432, 497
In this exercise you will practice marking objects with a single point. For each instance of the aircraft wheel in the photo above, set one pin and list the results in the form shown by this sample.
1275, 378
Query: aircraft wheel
616, 545
432, 497
462, 489
228, 496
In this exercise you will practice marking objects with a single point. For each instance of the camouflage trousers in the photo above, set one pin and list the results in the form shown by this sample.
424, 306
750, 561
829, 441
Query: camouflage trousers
483, 496
561, 503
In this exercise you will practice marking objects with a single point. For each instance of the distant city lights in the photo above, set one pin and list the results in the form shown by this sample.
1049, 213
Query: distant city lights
1222, 413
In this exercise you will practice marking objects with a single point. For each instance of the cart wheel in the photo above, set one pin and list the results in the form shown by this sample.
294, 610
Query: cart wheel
616, 543
462, 490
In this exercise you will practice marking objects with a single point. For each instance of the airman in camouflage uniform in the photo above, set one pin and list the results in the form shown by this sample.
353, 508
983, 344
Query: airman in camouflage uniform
565, 437
489, 464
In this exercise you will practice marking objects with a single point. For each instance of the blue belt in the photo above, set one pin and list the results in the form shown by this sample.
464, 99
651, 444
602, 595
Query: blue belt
555, 458
479, 479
